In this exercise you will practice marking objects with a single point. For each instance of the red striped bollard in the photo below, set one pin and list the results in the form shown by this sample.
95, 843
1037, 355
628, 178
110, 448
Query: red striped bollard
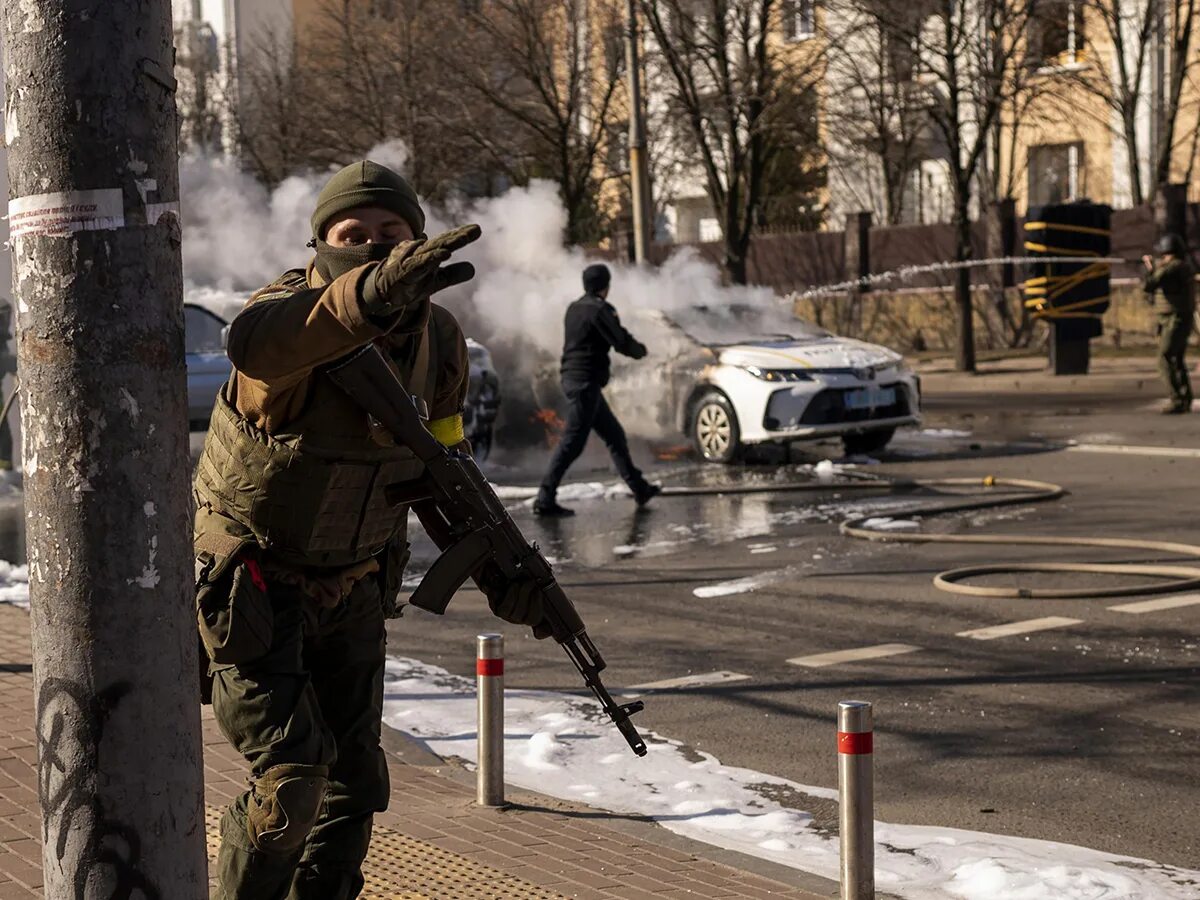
856, 799
489, 682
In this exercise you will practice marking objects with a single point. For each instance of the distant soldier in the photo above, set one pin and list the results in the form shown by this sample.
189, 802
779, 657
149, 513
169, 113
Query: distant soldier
1170, 281
592, 329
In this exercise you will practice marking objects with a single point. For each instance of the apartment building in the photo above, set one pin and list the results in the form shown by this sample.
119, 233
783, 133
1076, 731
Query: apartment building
211, 38
1086, 121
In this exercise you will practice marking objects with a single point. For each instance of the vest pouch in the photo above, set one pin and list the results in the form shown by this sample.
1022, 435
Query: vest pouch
233, 611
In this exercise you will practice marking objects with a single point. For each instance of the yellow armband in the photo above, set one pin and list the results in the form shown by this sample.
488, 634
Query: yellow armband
448, 431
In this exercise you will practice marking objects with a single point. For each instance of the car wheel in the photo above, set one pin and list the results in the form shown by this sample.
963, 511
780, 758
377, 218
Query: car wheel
714, 428
868, 442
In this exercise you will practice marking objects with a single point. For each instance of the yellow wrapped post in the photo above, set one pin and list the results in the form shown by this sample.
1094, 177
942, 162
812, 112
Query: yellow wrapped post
1071, 297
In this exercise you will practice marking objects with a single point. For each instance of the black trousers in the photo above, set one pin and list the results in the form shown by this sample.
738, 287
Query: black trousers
587, 411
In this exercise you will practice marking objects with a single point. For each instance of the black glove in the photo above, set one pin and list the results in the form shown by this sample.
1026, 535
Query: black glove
521, 602
413, 271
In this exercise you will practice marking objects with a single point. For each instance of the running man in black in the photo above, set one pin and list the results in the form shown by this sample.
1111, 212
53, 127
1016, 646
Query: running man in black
592, 329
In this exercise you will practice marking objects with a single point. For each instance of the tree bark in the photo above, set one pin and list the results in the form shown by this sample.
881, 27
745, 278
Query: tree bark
964, 351
92, 160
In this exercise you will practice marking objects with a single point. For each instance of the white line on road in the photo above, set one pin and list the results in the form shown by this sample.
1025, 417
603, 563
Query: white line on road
1145, 606
689, 681
878, 651
1130, 450
1011, 628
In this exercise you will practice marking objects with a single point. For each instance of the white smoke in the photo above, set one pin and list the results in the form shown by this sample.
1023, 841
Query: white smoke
239, 237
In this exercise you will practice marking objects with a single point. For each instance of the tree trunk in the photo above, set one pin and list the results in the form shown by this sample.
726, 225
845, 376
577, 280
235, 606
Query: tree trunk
735, 264
964, 351
93, 171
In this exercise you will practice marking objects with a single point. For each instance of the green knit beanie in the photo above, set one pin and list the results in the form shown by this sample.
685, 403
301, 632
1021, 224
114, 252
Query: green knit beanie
367, 183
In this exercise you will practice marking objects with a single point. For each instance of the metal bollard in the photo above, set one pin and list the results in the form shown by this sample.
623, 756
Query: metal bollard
489, 680
856, 799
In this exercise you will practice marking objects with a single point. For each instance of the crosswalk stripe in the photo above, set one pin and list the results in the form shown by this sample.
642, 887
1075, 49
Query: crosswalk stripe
703, 678
1010, 628
1131, 450
878, 651
1158, 603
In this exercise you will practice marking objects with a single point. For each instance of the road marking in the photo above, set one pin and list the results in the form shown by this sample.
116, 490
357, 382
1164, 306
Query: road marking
1129, 450
878, 651
1010, 628
688, 681
1145, 606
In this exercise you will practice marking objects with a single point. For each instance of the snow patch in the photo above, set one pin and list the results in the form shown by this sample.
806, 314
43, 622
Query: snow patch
14, 584
887, 523
552, 740
739, 585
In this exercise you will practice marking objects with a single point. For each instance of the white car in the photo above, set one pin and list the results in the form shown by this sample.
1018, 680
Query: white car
741, 375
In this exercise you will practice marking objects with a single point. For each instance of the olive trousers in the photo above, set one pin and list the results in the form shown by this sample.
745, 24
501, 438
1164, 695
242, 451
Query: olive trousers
1174, 329
315, 698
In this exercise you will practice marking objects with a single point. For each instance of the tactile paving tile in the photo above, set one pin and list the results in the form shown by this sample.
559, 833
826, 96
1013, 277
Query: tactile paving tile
402, 868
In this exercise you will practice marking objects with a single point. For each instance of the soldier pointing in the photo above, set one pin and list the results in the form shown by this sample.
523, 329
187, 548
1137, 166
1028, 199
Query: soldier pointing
299, 554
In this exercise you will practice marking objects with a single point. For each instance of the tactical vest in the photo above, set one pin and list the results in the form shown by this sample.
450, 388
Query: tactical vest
313, 496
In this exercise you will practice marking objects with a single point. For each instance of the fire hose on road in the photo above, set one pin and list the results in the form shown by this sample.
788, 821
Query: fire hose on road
1012, 492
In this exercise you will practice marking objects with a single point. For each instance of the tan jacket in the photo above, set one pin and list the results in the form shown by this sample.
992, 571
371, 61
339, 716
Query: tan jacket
299, 323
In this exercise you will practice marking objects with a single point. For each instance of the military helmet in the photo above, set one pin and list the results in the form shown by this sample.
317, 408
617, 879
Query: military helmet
367, 183
1170, 243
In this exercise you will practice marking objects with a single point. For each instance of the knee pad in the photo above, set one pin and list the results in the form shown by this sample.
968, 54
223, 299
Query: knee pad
284, 805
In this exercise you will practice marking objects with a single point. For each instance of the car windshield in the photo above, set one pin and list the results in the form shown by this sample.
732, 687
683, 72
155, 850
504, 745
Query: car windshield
741, 323
202, 330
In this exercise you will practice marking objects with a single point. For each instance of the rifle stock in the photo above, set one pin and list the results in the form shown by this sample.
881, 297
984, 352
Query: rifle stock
469, 523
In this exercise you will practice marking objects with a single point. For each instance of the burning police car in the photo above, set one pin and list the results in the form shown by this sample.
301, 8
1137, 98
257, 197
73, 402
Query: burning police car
742, 374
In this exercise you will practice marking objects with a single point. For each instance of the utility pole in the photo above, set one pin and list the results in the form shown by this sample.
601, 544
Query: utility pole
1158, 92
639, 171
94, 188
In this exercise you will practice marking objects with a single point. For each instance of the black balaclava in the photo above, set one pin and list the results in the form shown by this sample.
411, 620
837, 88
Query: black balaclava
361, 184
333, 262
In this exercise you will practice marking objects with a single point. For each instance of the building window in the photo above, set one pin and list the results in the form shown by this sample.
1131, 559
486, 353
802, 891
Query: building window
800, 19
1055, 174
710, 230
1058, 33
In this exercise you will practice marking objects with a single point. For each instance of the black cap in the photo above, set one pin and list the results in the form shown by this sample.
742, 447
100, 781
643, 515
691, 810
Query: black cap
596, 278
1170, 243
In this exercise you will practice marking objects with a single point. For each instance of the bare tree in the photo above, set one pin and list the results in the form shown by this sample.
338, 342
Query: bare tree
974, 68
275, 115
532, 85
1135, 31
880, 113
742, 105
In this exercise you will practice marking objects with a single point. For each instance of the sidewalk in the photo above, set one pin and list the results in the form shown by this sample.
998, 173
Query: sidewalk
433, 844
1132, 373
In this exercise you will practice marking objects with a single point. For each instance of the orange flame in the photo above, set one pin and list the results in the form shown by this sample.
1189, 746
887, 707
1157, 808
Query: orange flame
552, 423
672, 453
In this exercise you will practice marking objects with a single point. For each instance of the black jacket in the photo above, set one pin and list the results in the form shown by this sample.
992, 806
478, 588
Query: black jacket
592, 327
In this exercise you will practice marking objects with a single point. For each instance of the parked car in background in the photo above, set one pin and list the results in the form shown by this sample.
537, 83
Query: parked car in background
752, 374
483, 400
207, 365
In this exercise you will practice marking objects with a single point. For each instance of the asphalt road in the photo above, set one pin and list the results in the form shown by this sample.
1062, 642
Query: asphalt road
1085, 732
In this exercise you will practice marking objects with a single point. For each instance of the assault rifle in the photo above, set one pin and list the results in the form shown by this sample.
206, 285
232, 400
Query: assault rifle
469, 523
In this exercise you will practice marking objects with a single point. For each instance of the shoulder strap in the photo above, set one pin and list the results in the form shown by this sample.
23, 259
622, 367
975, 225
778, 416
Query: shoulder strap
420, 371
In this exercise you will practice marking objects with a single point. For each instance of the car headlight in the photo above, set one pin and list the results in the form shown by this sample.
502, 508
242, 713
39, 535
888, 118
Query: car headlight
778, 374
